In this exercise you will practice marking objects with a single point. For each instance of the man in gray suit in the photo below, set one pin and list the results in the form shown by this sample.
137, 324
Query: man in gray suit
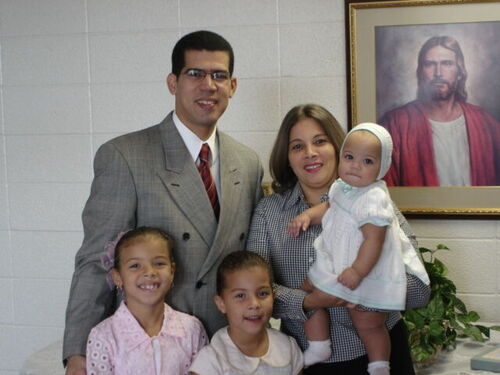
150, 177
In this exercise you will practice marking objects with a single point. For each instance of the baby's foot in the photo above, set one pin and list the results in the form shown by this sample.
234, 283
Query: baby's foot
379, 368
318, 351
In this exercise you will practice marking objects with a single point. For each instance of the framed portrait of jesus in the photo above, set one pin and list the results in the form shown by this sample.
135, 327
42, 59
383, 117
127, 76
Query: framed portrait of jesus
429, 72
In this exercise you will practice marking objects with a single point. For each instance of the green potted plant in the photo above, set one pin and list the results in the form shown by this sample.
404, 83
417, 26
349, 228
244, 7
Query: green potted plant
437, 325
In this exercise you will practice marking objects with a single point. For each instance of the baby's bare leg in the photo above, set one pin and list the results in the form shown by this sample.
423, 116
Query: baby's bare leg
317, 330
372, 331
317, 327
374, 335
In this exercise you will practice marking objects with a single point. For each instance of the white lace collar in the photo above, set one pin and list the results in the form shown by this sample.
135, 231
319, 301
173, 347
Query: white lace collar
276, 356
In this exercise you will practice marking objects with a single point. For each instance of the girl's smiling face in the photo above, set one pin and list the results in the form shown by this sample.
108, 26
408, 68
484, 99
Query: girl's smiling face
247, 301
145, 271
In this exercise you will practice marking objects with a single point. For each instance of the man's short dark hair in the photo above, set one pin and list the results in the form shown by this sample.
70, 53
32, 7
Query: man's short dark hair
199, 41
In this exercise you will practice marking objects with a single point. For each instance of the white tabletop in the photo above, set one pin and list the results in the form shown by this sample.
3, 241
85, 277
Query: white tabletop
457, 362
46, 361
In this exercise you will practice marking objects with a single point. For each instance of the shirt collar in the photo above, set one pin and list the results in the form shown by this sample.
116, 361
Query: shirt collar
296, 196
276, 356
133, 335
193, 143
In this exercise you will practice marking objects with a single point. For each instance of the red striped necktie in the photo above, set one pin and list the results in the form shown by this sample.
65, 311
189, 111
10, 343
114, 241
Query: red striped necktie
208, 181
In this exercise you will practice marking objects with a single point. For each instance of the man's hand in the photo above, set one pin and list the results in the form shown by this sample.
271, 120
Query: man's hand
299, 223
76, 365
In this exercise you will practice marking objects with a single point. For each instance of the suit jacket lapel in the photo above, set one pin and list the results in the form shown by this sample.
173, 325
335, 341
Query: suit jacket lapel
182, 180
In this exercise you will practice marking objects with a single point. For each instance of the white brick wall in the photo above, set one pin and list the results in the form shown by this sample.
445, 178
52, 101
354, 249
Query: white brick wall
75, 73
473, 262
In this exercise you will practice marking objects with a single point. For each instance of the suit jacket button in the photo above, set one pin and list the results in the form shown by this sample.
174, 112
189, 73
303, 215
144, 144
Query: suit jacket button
199, 284
242, 236
186, 236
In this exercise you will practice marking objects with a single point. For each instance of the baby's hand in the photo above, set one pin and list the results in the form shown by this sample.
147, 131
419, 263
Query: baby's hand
299, 223
350, 278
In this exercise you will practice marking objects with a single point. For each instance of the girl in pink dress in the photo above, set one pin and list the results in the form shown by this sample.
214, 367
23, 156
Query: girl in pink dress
145, 335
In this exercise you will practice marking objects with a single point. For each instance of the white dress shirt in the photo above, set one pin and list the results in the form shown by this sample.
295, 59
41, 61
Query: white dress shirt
193, 144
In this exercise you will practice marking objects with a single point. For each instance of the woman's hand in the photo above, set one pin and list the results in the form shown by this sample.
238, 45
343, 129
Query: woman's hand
307, 286
299, 223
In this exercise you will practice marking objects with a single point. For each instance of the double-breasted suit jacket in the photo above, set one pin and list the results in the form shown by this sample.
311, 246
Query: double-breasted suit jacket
149, 178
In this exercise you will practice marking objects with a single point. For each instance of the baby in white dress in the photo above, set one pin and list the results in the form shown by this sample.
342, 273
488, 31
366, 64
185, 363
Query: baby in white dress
362, 255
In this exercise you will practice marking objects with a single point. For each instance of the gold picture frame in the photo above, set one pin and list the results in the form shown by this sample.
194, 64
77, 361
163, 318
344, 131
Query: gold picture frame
362, 17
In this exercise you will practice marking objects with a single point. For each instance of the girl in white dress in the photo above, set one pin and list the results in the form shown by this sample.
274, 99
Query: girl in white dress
247, 346
362, 254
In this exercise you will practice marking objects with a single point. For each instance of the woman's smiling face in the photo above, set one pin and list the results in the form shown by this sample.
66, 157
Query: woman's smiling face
311, 155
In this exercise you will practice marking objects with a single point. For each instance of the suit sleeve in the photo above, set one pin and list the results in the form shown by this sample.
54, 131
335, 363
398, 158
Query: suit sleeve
110, 209
260, 175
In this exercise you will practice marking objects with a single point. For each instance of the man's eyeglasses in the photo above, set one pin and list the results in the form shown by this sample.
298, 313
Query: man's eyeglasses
200, 74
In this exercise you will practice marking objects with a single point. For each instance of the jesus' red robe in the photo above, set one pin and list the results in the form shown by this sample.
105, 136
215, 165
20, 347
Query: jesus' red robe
413, 155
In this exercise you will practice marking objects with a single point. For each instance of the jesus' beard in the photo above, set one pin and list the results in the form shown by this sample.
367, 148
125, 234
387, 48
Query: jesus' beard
439, 90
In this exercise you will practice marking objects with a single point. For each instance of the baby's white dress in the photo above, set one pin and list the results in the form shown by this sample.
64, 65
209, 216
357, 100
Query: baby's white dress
337, 246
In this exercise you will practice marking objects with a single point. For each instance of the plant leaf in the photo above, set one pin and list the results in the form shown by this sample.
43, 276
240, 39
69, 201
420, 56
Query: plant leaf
473, 316
445, 317
484, 330
436, 328
421, 353
417, 320
440, 268
424, 250
460, 305
475, 333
